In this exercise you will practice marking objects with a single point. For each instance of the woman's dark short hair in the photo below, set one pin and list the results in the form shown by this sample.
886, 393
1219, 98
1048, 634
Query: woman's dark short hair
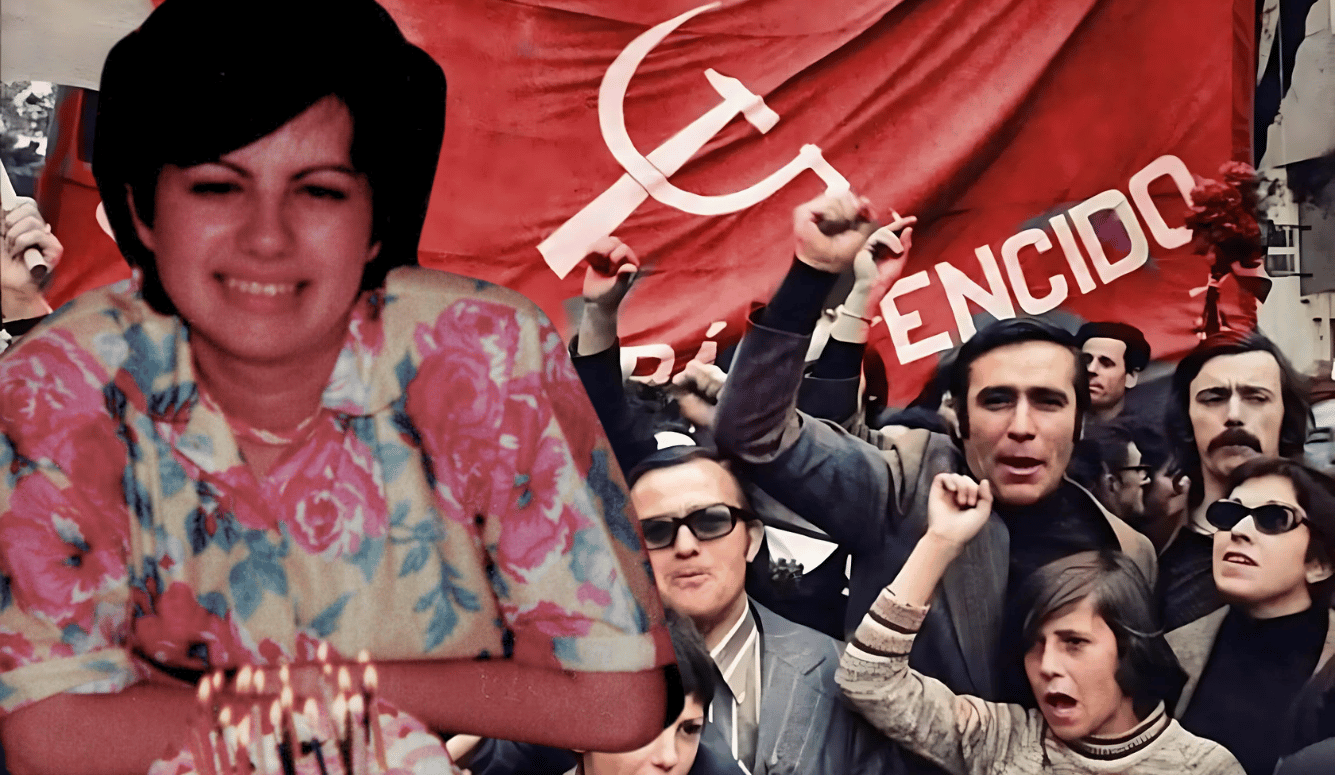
1147, 669
1316, 496
693, 661
1177, 415
693, 673
1015, 331
202, 78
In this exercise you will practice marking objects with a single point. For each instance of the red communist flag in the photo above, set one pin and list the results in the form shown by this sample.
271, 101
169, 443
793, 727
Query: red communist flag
1046, 147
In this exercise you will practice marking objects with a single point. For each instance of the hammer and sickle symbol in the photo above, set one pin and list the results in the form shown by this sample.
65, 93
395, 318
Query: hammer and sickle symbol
648, 176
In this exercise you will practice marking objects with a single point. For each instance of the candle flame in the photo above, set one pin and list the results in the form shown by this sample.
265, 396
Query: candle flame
275, 715
363, 656
344, 679
285, 697
205, 690
355, 704
322, 651
244, 677
225, 716
259, 681
243, 732
371, 678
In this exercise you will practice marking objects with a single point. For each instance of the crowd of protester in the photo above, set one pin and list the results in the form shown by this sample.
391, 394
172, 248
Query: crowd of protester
1040, 577
1022, 574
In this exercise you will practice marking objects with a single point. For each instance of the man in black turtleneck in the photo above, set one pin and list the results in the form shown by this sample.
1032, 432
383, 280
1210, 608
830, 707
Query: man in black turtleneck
1020, 390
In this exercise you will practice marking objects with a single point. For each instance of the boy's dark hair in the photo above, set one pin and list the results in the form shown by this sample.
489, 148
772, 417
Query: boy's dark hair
1137, 348
1015, 331
1147, 670
202, 78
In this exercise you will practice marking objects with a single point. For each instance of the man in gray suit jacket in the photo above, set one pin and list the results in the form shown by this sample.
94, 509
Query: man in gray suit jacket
1020, 391
777, 706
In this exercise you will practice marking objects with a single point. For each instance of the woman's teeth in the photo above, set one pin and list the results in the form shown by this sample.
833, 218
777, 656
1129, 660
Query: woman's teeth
261, 289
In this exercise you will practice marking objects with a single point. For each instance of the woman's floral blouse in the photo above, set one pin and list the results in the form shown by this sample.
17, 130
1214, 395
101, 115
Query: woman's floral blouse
454, 498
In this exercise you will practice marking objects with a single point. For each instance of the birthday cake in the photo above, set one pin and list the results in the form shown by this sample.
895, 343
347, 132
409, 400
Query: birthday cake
408, 749
339, 727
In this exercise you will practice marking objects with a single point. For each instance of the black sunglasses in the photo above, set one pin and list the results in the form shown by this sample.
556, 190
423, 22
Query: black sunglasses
1270, 518
705, 524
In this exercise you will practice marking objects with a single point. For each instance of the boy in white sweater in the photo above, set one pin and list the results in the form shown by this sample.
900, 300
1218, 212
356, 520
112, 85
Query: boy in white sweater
1097, 664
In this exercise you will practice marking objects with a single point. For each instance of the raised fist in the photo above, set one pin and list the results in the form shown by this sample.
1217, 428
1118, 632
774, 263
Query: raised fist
830, 229
957, 508
612, 268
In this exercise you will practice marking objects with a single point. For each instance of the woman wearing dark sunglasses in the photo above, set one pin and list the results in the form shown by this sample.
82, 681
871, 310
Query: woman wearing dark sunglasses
1247, 662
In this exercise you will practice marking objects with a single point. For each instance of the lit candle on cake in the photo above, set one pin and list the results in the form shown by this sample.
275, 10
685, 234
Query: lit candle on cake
285, 758
357, 708
312, 713
196, 740
243, 755
342, 724
202, 730
224, 721
370, 683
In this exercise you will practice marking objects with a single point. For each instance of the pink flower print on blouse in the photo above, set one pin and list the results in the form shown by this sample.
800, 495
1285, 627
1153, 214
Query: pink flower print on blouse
540, 524
330, 496
15, 650
238, 494
457, 396
51, 397
176, 630
64, 550
543, 619
568, 399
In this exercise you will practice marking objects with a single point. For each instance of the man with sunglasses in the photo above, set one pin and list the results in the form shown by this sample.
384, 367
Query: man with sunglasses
1271, 561
777, 705
1233, 398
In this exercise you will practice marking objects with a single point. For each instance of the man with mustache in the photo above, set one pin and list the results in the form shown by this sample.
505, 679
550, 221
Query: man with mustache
1020, 389
1234, 397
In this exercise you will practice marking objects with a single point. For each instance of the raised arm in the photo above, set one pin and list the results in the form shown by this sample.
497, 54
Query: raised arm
831, 391
961, 734
612, 267
596, 350
805, 464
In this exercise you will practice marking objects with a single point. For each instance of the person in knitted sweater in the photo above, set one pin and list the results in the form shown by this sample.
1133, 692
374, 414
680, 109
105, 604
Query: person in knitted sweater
1097, 663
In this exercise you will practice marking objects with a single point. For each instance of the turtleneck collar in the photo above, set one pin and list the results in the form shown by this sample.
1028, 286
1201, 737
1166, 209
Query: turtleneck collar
1107, 748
